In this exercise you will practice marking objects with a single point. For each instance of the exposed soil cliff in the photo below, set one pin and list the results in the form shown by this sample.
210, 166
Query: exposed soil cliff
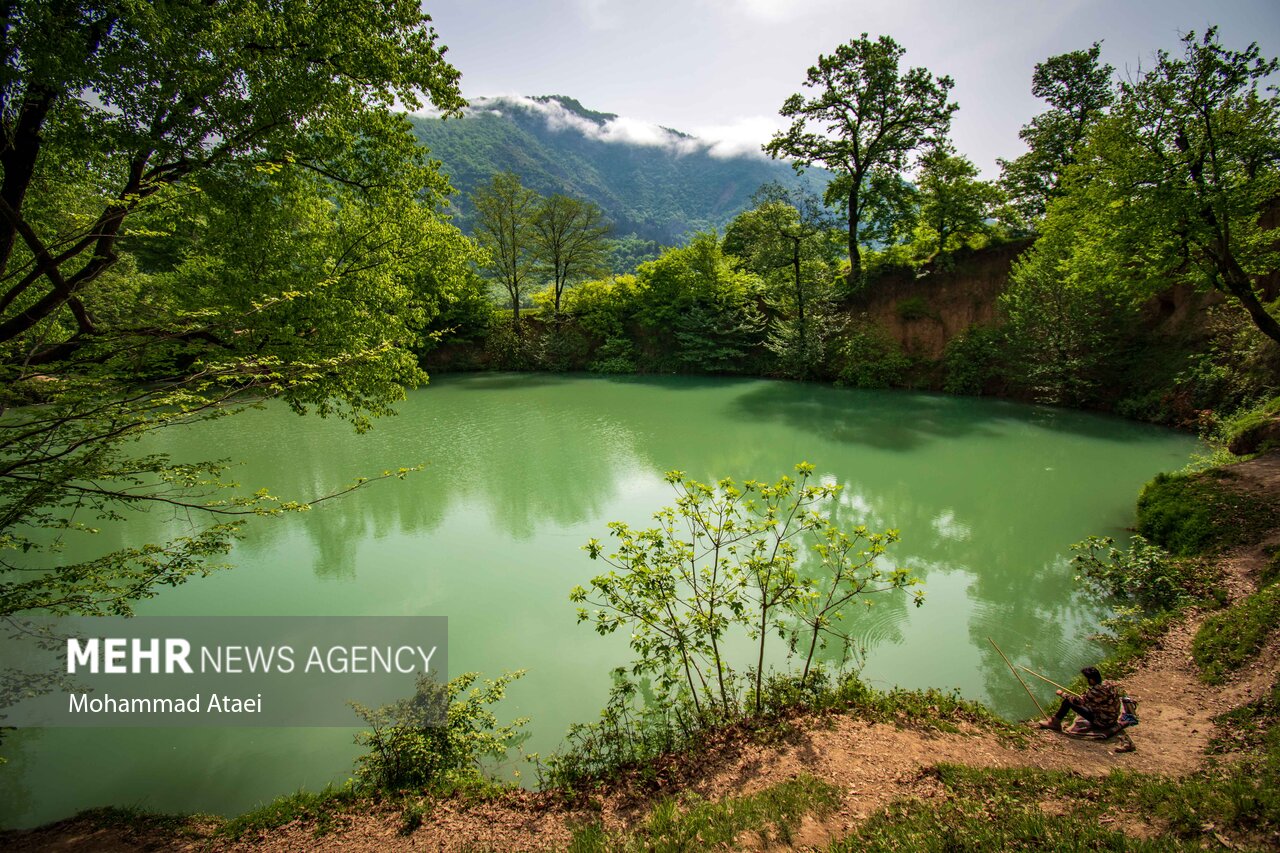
923, 311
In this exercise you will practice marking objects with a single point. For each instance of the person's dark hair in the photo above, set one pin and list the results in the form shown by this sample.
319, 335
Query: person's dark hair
1091, 675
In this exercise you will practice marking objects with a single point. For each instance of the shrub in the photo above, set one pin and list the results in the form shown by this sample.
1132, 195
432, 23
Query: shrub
616, 355
915, 308
509, 347
1198, 514
1228, 640
972, 359
1144, 575
1254, 430
868, 358
321, 809
435, 739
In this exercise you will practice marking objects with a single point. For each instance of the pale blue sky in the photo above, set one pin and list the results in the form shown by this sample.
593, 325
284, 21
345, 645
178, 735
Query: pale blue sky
722, 68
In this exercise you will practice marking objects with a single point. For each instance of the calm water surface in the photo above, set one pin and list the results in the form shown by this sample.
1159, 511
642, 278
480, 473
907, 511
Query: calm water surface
522, 470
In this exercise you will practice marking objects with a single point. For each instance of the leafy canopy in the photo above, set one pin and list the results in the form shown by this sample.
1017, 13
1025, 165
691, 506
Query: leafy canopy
865, 114
202, 205
1079, 90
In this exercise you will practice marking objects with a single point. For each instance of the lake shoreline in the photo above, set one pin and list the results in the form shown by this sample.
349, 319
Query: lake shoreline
878, 765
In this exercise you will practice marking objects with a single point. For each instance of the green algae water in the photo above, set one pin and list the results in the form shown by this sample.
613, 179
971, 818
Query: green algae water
521, 470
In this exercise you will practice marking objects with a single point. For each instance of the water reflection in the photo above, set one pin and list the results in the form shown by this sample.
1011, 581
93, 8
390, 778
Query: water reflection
522, 470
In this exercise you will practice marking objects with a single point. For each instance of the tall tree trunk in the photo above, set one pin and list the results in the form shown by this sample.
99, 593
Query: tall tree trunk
18, 156
795, 266
1239, 285
855, 257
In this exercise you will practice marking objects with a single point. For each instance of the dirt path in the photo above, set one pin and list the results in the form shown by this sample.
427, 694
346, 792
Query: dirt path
874, 763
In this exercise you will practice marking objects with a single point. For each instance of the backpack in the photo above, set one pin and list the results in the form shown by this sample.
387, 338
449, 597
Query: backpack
1128, 711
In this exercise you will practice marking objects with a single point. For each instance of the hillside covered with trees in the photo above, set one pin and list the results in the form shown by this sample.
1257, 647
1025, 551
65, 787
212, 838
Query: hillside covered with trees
1135, 239
660, 189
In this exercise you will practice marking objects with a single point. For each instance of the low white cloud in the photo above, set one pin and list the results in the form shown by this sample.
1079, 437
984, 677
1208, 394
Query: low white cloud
741, 138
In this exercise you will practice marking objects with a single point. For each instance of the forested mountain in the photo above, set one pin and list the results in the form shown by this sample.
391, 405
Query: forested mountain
654, 182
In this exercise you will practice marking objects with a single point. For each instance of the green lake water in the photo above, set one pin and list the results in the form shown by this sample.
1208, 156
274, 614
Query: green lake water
522, 469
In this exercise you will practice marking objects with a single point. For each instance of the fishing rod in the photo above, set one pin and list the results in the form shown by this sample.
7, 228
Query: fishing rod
1051, 681
1019, 677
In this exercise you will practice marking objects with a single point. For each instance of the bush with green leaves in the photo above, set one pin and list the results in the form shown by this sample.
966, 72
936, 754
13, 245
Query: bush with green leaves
758, 558
866, 357
973, 359
915, 308
1253, 430
699, 309
437, 738
1143, 575
802, 350
510, 346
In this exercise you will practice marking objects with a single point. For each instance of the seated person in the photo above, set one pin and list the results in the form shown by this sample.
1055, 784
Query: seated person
1099, 705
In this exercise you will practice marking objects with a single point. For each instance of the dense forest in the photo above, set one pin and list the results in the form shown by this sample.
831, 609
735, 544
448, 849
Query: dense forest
655, 189
1136, 234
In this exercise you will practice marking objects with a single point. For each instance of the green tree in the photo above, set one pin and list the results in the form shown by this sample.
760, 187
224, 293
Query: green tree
1182, 175
1079, 89
954, 202
504, 227
236, 213
865, 115
1175, 184
1067, 315
177, 92
891, 207
628, 252
786, 239
571, 243
786, 230
731, 555
699, 308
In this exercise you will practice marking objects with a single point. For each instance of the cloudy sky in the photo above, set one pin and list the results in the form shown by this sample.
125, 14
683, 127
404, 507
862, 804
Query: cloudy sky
720, 69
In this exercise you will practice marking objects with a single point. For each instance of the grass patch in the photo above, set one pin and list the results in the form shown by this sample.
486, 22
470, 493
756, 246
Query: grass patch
1248, 429
1029, 809
1271, 571
691, 824
1253, 727
1228, 640
1133, 639
136, 819
933, 709
412, 817
1235, 805
322, 808
1195, 514
995, 810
